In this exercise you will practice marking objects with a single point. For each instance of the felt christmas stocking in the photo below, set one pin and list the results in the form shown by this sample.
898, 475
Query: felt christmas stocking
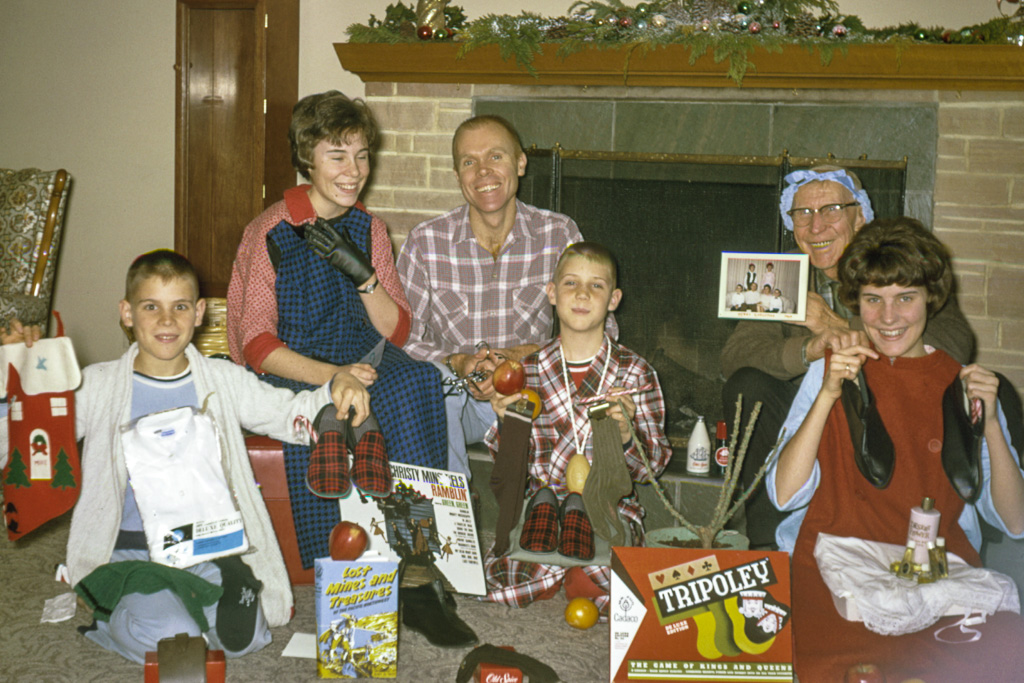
43, 473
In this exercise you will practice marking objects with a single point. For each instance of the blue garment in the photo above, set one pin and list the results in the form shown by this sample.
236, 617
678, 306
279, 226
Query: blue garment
789, 528
321, 316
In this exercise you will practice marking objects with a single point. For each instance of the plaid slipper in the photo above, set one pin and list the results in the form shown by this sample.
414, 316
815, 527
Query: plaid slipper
577, 539
540, 529
327, 474
371, 471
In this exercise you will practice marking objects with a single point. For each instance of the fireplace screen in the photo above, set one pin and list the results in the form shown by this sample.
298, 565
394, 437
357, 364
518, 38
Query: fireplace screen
667, 218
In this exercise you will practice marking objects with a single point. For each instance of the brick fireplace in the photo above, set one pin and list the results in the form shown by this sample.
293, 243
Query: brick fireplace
960, 110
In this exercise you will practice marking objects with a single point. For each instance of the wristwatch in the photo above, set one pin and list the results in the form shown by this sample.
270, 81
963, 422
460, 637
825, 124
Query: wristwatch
368, 289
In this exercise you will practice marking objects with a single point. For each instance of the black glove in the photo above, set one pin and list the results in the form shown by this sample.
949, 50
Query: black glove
339, 251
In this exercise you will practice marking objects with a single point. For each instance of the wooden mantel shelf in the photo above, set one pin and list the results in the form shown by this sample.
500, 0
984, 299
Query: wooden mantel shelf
916, 67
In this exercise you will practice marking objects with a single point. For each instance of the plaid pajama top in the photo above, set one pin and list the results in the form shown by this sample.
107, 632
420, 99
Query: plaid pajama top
551, 441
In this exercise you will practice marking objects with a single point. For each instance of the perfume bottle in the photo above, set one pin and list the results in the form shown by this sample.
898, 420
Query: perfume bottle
698, 450
924, 528
906, 567
937, 557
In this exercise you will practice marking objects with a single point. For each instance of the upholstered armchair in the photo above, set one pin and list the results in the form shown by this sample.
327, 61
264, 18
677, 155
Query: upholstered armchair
32, 206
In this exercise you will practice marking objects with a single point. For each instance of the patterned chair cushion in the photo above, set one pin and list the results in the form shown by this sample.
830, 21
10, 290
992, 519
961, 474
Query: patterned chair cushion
24, 203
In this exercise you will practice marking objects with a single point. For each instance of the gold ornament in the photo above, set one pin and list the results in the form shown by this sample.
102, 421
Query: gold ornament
431, 13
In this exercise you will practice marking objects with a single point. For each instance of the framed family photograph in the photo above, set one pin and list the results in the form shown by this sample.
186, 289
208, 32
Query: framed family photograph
763, 286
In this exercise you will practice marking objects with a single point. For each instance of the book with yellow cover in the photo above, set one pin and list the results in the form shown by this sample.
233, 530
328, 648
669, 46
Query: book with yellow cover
356, 618
692, 614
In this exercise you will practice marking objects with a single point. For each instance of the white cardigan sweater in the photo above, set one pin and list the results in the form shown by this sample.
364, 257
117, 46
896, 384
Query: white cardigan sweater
236, 399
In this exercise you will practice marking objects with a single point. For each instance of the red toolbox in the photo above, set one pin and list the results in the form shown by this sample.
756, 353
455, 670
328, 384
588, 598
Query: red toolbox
267, 458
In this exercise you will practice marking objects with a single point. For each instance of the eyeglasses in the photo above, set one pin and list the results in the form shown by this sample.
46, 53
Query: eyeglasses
830, 213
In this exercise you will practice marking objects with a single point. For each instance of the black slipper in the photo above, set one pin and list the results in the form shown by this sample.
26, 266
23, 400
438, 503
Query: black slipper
1009, 399
961, 442
872, 447
429, 610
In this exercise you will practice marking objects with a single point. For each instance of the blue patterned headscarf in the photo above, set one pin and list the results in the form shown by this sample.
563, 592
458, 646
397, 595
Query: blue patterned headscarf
798, 179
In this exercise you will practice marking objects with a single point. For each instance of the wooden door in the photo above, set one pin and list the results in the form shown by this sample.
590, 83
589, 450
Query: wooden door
232, 117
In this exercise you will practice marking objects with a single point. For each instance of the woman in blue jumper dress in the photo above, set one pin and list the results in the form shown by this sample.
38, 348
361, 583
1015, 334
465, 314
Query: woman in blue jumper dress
295, 316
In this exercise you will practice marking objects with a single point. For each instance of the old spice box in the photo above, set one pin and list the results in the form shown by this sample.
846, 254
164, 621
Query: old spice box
692, 614
486, 672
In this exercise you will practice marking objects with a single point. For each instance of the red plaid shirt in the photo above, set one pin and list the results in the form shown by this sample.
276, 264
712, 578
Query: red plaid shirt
461, 295
551, 445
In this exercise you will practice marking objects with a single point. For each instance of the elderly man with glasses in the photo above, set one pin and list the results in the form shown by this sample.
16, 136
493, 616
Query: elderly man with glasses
765, 360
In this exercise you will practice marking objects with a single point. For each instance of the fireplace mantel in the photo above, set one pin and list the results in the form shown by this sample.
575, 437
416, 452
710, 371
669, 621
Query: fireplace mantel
914, 67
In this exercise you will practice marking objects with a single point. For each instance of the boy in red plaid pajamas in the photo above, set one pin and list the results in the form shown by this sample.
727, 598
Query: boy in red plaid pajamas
582, 362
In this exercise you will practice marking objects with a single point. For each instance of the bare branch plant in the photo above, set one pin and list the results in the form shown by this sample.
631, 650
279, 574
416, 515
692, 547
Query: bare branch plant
727, 504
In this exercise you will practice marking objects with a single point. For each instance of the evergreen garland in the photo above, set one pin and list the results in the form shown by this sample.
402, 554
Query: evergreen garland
728, 29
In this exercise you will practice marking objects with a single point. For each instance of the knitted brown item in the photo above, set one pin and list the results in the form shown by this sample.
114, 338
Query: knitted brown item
508, 476
607, 482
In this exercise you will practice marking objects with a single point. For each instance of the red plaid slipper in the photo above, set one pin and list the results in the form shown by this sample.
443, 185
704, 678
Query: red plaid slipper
577, 540
370, 469
327, 474
540, 529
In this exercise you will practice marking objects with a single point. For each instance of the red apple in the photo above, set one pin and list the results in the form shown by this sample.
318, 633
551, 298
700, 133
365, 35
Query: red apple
864, 673
348, 541
509, 377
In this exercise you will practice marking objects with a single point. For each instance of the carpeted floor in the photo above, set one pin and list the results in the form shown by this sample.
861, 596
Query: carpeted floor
35, 652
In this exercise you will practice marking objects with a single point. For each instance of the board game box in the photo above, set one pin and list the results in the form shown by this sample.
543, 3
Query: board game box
700, 615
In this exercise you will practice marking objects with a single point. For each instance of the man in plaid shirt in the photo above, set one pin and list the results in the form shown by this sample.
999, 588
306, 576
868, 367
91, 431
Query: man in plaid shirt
581, 363
475, 276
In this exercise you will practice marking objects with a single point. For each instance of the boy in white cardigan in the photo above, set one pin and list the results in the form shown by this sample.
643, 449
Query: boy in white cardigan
232, 601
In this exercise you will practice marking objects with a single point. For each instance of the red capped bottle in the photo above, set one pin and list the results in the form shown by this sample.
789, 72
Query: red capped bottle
721, 459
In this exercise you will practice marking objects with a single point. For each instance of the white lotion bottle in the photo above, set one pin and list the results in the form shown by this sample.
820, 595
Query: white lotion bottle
923, 529
698, 450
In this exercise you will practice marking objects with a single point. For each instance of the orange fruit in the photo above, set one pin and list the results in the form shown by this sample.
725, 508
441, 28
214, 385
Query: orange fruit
532, 400
581, 613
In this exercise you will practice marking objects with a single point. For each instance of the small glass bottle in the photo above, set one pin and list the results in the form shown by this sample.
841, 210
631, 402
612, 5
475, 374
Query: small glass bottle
925, 575
698, 450
924, 527
721, 463
937, 557
906, 567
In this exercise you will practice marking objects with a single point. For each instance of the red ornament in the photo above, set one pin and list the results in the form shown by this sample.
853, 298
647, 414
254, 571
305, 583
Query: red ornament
625, 21
776, 25
754, 27
839, 31
425, 32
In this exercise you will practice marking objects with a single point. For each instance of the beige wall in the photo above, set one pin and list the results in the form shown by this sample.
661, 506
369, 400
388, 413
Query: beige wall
89, 86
